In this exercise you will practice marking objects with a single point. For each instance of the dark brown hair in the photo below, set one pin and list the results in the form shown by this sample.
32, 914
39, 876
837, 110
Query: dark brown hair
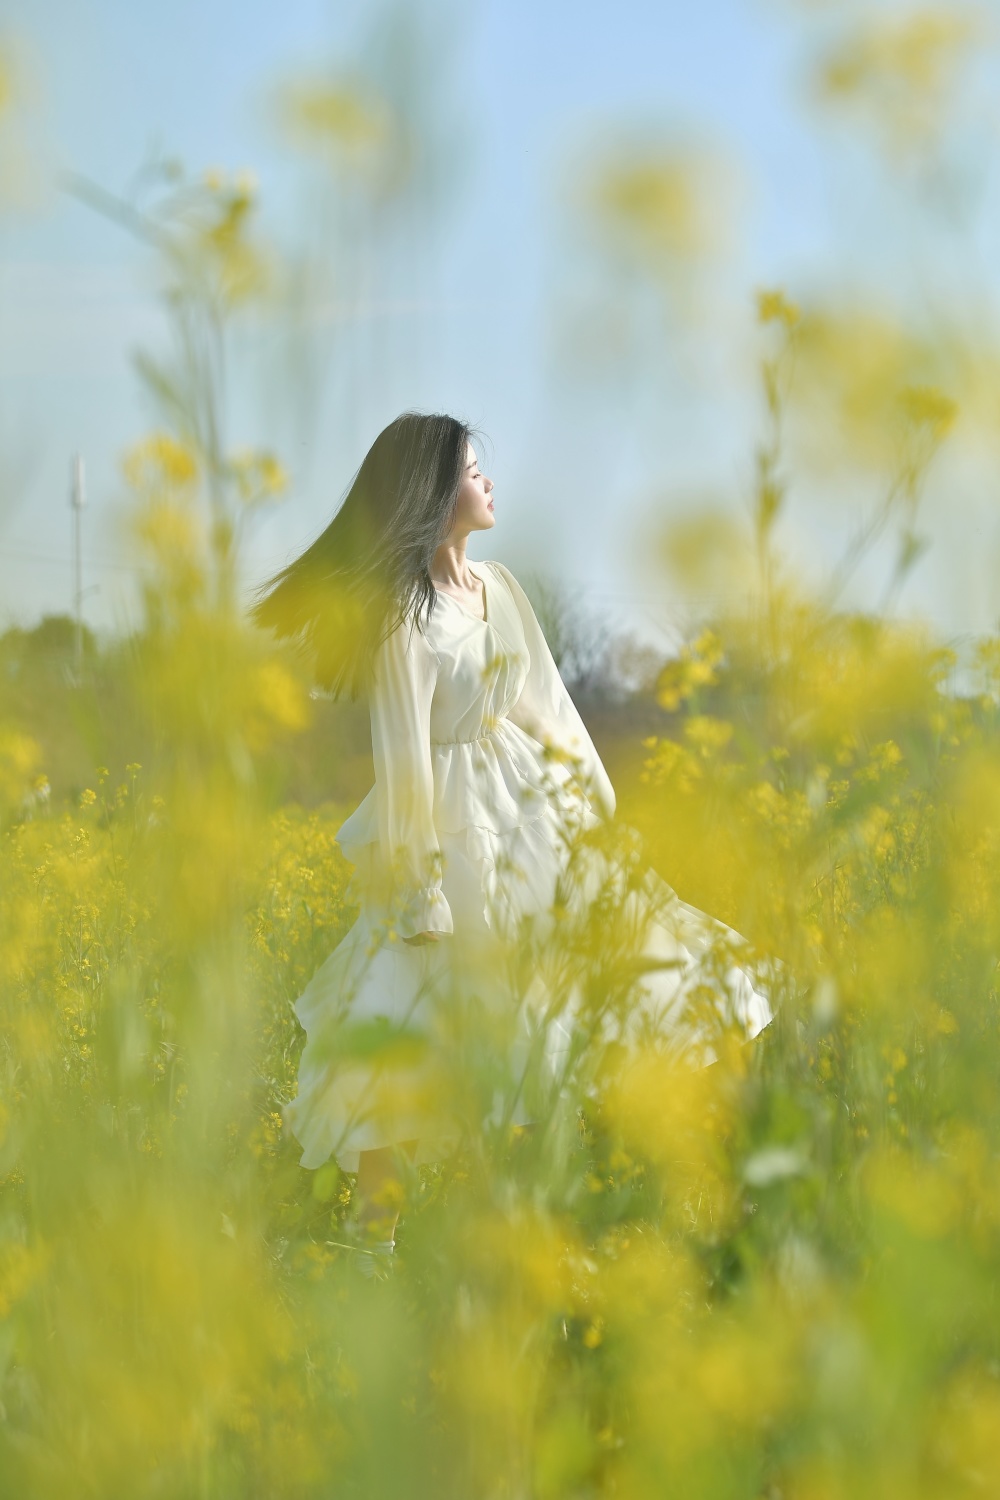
370, 569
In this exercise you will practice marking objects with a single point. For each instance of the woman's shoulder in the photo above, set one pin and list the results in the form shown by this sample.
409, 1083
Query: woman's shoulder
514, 589
502, 571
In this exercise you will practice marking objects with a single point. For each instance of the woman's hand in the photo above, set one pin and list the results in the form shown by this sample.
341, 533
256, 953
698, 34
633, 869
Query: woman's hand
422, 937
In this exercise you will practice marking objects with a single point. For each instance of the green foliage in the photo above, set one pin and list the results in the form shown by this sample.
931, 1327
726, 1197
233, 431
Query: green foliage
773, 1275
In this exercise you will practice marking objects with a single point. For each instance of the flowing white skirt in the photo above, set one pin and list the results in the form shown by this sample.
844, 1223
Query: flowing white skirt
547, 922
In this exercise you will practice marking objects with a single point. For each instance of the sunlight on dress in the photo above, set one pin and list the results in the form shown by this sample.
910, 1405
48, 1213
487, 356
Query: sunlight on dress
491, 824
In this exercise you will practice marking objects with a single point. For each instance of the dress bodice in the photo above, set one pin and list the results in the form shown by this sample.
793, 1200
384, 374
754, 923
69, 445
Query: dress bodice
482, 664
472, 727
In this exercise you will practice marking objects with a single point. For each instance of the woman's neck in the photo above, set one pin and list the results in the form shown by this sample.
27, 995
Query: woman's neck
451, 566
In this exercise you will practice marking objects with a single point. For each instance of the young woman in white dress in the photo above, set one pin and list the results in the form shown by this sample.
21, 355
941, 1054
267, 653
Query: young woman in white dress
483, 769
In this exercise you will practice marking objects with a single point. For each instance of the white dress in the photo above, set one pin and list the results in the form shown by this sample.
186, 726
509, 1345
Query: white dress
484, 771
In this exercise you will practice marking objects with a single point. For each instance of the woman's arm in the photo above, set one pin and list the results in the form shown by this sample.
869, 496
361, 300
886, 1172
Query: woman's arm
546, 711
405, 671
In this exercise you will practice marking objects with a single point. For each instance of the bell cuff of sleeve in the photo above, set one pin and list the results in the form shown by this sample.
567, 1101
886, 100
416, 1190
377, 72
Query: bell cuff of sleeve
427, 911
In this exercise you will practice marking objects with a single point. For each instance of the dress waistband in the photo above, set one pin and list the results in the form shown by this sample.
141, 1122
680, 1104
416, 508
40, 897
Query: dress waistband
474, 739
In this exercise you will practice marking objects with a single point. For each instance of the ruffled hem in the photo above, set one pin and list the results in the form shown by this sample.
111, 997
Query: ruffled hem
500, 866
348, 1103
370, 1072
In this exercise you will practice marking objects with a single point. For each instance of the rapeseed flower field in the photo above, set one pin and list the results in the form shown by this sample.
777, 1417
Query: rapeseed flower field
771, 1276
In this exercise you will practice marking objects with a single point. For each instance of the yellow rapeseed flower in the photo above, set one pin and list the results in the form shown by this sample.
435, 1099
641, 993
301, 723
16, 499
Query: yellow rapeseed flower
774, 307
160, 461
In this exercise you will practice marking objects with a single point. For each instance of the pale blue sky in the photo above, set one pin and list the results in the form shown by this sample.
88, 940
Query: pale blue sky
574, 463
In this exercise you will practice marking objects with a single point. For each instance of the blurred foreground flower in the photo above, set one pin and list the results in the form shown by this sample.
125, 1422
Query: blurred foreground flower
902, 72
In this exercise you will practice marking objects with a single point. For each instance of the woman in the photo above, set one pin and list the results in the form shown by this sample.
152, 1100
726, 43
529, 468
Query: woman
486, 782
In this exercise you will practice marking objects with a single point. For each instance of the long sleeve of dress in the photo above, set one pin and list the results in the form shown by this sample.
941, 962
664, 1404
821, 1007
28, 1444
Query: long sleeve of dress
546, 711
405, 671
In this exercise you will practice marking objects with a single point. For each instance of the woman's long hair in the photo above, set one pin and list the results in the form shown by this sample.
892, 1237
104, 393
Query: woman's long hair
370, 568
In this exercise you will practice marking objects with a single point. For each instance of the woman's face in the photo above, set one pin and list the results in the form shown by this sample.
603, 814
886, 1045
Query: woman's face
475, 503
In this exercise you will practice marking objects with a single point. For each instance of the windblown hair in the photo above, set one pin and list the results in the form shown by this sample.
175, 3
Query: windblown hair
370, 569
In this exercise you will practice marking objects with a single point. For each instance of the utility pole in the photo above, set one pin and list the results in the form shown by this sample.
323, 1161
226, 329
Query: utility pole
77, 501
